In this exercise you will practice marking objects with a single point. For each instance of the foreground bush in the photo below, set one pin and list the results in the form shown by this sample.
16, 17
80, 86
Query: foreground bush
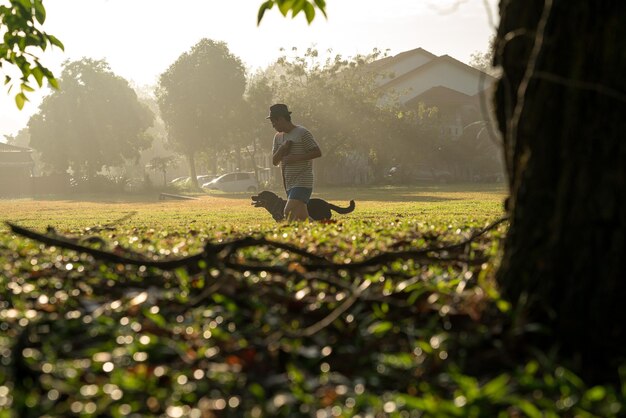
358, 324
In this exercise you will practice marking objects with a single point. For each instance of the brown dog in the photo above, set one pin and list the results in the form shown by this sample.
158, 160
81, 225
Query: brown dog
319, 209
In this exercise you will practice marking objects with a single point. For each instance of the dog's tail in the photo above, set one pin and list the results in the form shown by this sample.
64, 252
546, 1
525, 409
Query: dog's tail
341, 210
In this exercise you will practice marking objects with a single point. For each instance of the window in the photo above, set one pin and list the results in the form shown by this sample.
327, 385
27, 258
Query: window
229, 177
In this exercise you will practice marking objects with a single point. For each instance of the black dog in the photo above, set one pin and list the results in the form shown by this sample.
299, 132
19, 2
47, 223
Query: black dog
319, 209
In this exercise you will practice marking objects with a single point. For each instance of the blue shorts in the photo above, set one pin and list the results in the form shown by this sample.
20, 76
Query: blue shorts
302, 194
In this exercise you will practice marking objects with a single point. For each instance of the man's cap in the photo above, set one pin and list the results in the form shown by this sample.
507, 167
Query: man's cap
278, 109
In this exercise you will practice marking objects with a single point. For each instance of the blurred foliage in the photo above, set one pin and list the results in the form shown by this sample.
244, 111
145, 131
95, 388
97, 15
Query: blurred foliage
94, 121
262, 334
20, 26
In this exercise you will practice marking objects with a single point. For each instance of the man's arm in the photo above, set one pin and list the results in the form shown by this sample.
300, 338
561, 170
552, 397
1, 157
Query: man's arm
311, 155
281, 152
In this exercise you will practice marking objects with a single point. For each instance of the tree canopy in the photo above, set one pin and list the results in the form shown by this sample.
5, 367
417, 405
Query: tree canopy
95, 120
199, 96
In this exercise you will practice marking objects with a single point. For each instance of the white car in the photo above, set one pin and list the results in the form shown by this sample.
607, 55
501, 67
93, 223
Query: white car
233, 182
205, 178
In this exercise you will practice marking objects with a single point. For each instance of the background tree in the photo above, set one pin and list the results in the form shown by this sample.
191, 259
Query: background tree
199, 96
161, 165
259, 96
20, 25
95, 120
483, 61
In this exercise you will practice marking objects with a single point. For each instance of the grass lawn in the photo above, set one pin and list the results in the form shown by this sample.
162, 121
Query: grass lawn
454, 204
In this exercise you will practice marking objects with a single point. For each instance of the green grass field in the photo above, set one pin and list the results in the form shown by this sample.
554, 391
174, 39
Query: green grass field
340, 319
383, 216
460, 205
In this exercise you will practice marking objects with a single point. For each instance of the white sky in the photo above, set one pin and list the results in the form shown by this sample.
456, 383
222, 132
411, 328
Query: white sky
141, 38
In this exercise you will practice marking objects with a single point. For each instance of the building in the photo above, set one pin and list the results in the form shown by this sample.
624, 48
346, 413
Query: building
456, 96
458, 91
16, 165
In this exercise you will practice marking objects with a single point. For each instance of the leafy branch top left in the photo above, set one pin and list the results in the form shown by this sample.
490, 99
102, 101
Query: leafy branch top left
23, 41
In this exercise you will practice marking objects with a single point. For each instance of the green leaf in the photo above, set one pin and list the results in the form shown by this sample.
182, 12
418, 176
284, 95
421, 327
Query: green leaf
309, 11
285, 5
26, 87
412, 402
257, 390
503, 305
20, 99
596, 393
379, 328
155, 317
297, 7
321, 4
53, 82
39, 75
496, 388
264, 7
40, 12
531, 368
26, 4
56, 42
529, 409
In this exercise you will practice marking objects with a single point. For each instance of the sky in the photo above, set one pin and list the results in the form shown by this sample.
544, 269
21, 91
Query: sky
140, 39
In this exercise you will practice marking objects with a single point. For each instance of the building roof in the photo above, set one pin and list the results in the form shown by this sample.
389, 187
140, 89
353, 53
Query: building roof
14, 156
441, 95
389, 61
13, 148
435, 62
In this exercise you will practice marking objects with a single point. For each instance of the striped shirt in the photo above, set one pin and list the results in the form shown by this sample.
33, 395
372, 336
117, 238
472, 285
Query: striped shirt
300, 173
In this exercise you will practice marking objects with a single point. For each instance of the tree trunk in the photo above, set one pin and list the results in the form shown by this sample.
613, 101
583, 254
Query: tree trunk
192, 170
253, 159
565, 150
238, 158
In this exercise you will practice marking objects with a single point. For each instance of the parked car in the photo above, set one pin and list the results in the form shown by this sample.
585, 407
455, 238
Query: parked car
179, 181
185, 181
233, 182
205, 178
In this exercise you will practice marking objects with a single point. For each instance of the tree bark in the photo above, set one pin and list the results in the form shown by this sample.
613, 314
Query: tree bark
192, 170
565, 150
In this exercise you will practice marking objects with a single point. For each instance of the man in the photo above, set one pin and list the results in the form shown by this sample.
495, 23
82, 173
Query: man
294, 149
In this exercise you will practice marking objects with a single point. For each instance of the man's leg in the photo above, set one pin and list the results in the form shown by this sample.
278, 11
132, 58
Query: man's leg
295, 210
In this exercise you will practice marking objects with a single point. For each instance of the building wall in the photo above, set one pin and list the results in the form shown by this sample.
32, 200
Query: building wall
447, 75
15, 181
